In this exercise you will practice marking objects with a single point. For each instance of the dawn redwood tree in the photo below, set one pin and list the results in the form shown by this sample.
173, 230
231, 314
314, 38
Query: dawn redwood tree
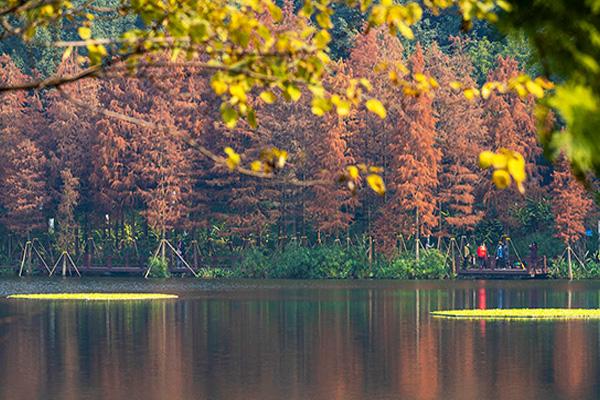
67, 223
23, 192
370, 137
23, 188
461, 134
571, 204
70, 133
163, 174
410, 208
329, 206
511, 125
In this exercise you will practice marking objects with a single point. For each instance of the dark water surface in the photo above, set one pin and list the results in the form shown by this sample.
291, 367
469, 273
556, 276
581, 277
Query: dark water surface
288, 340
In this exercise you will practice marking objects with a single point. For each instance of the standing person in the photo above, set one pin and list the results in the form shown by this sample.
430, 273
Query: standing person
533, 249
500, 255
507, 252
482, 255
466, 256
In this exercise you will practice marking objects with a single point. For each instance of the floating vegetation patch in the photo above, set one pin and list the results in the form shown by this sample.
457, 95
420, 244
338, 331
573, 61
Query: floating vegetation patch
94, 296
521, 313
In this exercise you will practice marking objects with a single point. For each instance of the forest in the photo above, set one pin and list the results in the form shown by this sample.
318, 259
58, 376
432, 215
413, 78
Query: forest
69, 174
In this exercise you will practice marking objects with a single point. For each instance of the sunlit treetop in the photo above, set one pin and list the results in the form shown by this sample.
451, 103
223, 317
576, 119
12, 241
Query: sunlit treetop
254, 50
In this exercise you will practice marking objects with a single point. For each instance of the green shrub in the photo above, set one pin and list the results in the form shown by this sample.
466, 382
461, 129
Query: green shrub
431, 265
216, 273
337, 262
298, 262
255, 264
560, 269
158, 268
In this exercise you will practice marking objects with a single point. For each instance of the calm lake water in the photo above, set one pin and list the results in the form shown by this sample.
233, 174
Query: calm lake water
296, 340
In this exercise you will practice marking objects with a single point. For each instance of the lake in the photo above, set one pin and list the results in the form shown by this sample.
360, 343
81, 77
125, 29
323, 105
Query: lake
321, 340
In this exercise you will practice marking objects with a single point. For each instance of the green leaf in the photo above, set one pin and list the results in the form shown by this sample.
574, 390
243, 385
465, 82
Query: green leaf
229, 115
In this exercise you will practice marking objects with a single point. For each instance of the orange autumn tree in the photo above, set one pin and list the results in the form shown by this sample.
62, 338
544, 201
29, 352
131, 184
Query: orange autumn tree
328, 206
570, 204
23, 190
511, 125
461, 132
369, 136
67, 224
410, 208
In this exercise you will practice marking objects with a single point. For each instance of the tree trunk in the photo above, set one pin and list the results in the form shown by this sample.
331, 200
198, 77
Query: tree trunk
417, 241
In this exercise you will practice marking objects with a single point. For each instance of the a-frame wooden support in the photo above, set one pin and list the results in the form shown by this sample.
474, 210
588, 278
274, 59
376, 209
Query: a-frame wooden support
67, 264
29, 250
162, 249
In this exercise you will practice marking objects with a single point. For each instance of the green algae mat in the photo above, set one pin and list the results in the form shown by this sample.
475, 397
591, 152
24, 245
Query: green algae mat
94, 296
521, 313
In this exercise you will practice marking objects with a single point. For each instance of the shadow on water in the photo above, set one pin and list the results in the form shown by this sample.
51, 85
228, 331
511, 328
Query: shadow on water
296, 340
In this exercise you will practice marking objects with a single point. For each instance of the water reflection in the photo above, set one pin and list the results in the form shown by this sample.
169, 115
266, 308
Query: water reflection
326, 341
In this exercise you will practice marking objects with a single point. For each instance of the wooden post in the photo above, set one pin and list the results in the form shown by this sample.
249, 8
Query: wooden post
370, 253
29, 261
23, 259
452, 244
64, 264
570, 263
195, 252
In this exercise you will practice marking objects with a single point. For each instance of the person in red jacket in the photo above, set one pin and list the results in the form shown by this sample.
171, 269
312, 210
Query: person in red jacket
482, 255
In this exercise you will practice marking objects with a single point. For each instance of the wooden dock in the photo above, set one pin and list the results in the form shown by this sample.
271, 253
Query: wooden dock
512, 273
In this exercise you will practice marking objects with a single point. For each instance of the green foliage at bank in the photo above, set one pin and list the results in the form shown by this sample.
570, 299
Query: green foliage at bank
590, 269
332, 262
159, 268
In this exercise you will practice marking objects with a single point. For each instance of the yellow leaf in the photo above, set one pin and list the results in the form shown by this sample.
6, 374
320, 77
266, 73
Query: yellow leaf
233, 158
499, 161
293, 92
455, 85
238, 92
516, 168
471, 93
505, 5
366, 84
420, 77
376, 183
84, 32
67, 53
267, 97
256, 166
486, 159
376, 107
353, 172
218, 86
535, 89
405, 30
343, 108
501, 179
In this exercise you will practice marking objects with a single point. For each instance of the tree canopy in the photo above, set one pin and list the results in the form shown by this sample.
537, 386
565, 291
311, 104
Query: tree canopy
252, 52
